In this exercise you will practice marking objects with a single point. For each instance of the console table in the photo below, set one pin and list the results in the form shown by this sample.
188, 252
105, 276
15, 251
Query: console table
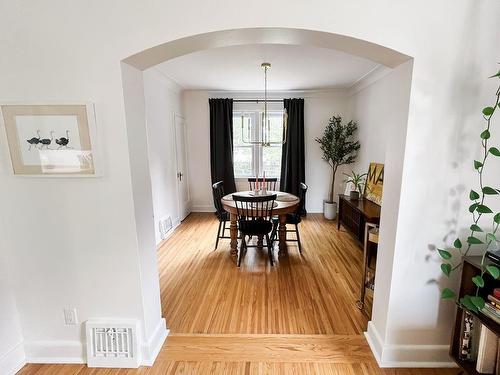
353, 214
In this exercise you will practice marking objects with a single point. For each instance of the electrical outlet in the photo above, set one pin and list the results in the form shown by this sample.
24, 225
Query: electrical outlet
70, 316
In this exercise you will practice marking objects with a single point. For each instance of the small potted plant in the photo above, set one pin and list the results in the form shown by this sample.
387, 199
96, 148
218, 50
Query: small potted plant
339, 148
357, 182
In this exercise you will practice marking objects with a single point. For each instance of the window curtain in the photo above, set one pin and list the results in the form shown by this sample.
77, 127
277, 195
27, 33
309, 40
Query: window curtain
293, 152
221, 143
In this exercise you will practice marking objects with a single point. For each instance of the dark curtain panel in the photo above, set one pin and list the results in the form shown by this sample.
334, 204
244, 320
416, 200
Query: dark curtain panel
293, 154
221, 143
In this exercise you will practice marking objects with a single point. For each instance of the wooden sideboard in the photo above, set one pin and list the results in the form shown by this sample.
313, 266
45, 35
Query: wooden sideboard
353, 214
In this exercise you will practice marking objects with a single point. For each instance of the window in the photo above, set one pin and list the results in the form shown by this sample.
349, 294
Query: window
251, 159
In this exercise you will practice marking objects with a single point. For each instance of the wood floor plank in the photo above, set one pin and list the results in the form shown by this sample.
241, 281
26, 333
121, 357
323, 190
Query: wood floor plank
267, 348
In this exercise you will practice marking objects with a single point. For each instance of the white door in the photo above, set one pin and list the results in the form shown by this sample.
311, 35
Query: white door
182, 167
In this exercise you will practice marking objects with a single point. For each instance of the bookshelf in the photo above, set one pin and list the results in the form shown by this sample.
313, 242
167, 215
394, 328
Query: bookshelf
471, 268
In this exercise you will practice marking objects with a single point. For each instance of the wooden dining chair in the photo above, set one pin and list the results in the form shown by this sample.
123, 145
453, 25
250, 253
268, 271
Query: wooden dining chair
222, 215
293, 219
255, 219
270, 183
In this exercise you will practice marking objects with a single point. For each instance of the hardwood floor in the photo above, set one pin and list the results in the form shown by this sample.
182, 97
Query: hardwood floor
312, 293
298, 317
253, 354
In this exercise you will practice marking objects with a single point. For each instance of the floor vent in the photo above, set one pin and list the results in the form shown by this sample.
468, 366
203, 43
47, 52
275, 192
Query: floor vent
165, 226
112, 343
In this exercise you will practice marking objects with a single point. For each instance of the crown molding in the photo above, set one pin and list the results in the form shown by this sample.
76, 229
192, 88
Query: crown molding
377, 73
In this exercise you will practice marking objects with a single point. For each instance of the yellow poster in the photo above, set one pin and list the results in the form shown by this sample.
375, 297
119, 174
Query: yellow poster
374, 183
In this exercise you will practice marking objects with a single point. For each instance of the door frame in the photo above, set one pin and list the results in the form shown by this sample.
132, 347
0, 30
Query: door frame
175, 117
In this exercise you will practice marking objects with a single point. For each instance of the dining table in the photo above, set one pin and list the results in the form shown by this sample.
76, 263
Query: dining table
285, 203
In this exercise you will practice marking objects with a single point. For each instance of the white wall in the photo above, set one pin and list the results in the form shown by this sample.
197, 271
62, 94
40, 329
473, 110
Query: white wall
163, 100
371, 106
381, 108
196, 110
319, 106
91, 260
71, 241
153, 330
12, 356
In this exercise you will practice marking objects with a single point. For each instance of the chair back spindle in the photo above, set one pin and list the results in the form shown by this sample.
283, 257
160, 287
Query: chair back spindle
218, 193
255, 208
271, 183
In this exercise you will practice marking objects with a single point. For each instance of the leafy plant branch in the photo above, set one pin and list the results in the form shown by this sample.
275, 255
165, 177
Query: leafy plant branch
477, 209
357, 180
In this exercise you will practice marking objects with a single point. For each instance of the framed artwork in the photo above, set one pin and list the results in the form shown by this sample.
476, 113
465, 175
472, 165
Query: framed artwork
50, 140
374, 183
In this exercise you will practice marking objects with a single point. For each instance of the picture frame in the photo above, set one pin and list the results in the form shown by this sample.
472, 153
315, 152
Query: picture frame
374, 183
51, 140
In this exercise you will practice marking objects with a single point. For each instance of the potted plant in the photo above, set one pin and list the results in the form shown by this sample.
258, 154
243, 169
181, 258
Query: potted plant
357, 182
339, 148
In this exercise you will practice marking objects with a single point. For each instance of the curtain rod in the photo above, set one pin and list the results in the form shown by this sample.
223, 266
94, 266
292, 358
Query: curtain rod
257, 100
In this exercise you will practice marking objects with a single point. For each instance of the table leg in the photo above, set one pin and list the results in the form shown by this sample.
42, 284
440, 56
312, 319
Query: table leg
233, 229
282, 235
260, 242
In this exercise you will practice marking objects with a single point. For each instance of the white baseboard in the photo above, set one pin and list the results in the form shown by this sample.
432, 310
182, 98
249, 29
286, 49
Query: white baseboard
13, 361
435, 356
152, 347
55, 352
74, 351
203, 208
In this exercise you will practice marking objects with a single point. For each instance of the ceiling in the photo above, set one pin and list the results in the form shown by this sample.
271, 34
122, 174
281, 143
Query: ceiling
293, 68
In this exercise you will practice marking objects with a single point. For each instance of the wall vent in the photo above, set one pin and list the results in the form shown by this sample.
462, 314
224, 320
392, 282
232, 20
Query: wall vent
112, 343
165, 225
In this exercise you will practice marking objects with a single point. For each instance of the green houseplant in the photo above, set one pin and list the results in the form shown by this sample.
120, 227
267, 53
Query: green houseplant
339, 147
357, 181
485, 222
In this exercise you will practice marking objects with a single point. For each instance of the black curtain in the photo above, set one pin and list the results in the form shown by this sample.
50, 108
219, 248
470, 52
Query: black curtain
221, 143
293, 152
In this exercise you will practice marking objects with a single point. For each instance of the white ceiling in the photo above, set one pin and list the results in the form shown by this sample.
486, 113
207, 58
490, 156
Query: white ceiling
293, 68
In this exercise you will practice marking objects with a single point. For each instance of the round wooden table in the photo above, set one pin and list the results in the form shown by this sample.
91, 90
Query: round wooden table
285, 203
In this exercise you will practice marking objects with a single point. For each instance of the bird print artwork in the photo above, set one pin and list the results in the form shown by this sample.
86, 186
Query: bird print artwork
34, 141
63, 141
47, 141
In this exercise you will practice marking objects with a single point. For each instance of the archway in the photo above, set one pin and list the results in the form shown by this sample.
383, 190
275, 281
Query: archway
133, 66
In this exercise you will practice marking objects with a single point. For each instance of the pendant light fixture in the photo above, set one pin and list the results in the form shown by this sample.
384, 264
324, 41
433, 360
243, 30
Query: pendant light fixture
265, 133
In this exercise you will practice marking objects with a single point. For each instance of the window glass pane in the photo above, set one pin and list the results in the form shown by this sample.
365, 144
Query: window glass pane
237, 130
271, 160
245, 155
276, 121
242, 161
271, 156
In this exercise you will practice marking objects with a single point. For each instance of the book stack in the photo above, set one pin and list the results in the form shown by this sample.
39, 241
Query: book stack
469, 337
492, 308
478, 343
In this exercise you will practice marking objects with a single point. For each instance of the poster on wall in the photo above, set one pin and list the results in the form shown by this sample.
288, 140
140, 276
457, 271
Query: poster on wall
374, 183
50, 140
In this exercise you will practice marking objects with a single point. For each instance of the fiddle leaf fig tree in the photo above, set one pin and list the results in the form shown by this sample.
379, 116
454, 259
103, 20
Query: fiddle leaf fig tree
478, 237
339, 146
